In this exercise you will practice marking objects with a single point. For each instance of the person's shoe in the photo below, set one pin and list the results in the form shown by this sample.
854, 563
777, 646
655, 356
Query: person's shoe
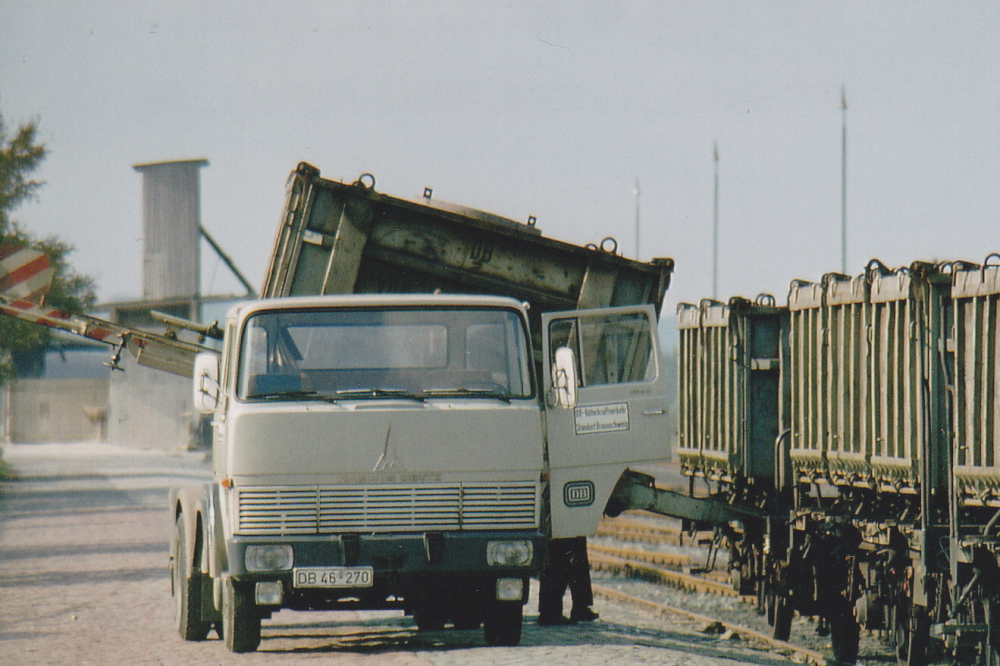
554, 621
583, 615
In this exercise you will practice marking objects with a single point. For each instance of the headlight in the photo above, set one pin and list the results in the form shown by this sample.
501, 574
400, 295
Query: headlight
268, 557
509, 553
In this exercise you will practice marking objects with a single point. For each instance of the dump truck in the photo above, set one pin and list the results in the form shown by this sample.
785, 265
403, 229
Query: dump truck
423, 397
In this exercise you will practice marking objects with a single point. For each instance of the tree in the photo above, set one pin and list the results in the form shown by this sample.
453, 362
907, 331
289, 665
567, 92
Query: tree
20, 157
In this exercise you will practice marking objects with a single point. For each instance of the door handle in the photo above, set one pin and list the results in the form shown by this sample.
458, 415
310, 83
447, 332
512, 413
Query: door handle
656, 412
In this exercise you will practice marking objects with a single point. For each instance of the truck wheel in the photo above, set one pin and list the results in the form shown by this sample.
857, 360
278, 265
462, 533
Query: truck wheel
240, 618
502, 623
186, 589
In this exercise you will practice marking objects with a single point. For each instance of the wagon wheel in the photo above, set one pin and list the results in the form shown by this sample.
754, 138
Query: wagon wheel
911, 632
845, 636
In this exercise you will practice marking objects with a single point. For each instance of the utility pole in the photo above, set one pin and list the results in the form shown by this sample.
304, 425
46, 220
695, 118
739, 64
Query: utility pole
637, 258
715, 228
843, 182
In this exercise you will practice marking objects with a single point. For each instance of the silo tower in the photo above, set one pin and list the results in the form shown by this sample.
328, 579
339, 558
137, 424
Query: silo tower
171, 229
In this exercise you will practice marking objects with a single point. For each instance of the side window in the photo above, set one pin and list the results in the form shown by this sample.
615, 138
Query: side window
609, 349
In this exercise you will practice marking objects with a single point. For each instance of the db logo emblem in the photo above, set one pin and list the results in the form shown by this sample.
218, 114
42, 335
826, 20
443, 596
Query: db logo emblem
578, 493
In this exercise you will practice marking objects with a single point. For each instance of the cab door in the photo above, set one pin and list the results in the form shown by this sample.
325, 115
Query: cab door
606, 407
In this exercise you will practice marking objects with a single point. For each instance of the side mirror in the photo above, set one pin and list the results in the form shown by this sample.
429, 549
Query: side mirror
564, 379
206, 382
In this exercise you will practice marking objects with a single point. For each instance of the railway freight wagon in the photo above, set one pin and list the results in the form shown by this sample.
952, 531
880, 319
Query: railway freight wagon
729, 426
973, 554
882, 502
729, 361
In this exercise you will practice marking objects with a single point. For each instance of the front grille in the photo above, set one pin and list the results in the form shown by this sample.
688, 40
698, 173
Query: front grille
388, 508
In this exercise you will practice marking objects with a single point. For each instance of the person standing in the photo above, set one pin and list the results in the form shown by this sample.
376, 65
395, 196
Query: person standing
569, 567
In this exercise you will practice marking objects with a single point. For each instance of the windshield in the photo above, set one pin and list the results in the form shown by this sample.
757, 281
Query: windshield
355, 353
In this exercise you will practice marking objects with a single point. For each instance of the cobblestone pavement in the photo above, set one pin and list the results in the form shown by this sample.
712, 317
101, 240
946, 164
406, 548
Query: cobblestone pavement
83, 580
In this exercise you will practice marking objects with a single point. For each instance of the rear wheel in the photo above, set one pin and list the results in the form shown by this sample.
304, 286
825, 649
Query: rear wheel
502, 623
186, 589
240, 617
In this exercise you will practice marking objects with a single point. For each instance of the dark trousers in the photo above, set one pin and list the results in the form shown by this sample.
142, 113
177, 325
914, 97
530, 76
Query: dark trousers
568, 567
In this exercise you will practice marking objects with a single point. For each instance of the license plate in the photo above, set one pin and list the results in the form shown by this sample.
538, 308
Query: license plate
333, 577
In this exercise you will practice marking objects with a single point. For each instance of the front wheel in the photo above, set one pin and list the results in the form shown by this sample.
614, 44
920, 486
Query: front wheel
240, 617
502, 623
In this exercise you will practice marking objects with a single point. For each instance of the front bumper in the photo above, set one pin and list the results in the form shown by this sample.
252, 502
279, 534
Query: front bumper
394, 556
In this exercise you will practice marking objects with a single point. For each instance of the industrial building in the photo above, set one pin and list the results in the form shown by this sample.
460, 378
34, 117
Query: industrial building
73, 396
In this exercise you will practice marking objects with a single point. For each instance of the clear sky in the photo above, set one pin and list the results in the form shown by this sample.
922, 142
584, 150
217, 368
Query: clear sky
551, 109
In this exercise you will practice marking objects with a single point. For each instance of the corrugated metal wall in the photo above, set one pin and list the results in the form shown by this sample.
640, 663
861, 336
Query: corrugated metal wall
976, 423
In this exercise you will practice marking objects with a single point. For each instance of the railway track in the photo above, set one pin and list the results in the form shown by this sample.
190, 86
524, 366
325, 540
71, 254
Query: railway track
797, 653
645, 565
646, 531
648, 552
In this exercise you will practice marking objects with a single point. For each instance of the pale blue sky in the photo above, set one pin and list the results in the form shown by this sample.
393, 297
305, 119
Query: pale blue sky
549, 109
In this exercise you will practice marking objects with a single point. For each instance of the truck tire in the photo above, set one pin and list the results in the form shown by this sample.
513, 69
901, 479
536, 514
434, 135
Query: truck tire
502, 623
185, 587
240, 618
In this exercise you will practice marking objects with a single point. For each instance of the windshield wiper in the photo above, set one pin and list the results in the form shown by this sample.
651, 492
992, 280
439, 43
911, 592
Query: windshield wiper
498, 393
378, 392
291, 395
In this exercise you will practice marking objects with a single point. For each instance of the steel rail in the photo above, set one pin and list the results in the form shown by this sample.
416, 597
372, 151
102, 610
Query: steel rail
799, 653
671, 560
674, 579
